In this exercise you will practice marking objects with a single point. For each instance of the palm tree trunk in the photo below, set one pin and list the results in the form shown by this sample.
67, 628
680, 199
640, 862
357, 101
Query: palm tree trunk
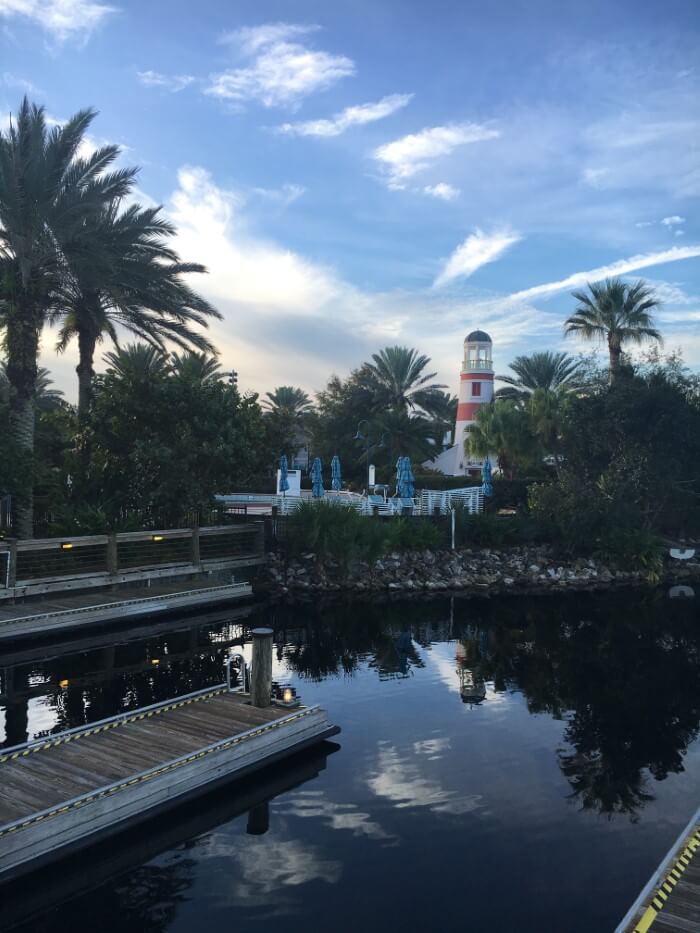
614, 352
86, 373
22, 345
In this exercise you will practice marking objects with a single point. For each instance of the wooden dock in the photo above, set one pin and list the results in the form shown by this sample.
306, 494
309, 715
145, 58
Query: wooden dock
670, 901
71, 612
70, 789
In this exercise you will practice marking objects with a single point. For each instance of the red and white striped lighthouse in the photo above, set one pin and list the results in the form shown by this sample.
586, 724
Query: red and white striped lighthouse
475, 389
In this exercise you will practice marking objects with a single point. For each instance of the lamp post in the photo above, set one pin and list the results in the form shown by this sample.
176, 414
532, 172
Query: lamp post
368, 443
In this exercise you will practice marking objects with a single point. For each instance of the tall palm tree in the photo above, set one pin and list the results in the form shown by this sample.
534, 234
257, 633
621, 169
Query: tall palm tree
617, 312
399, 381
122, 272
46, 191
546, 370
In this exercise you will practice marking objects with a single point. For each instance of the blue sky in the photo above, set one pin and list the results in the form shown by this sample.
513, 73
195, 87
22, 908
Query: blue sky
378, 172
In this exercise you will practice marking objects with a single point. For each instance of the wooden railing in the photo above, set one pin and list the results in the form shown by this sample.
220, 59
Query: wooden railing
51, 564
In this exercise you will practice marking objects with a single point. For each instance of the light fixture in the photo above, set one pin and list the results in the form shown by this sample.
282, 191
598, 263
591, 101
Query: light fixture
155, 661
156, 537
63, 684
287, 695
359, 436
66, 546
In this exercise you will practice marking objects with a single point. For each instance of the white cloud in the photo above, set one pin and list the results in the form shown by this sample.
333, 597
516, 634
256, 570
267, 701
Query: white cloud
645, 223
10, 80
405, 157
673, 221
64, 19
477, 250
173, 83
285, 195
281, 71
443, 191
357, 115
621, 267
594, 176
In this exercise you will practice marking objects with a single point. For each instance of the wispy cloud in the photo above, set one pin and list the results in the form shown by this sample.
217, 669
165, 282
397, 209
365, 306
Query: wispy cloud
285, 195
621, 267
443, 191
282, 71
172, 83
64, 19
10, 80
405, 157
477, 250
356, 115
673, 221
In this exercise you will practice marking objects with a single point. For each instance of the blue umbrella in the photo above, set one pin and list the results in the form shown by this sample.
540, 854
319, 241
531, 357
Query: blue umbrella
404, 479
284, 472
486, 477
317, 479
335, 473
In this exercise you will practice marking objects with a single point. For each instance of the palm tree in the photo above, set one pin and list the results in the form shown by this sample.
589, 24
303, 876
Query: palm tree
122, 272
546, 370
616, 312
195, 367
288, 402
399, 381
137, 363
504, 428
45, 398
46, 192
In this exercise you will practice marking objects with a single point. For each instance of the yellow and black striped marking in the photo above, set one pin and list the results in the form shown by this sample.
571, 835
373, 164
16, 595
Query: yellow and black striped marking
663, 892
156, 772
105, 727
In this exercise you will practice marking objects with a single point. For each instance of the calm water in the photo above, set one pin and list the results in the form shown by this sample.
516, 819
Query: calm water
543, 807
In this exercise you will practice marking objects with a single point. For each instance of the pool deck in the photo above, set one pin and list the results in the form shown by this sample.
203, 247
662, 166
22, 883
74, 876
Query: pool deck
76, 610
670, 901
65, 791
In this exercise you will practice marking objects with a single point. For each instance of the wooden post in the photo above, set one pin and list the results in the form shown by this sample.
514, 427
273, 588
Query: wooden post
112, 556
261, 677
12, 567
259, 819
196, 558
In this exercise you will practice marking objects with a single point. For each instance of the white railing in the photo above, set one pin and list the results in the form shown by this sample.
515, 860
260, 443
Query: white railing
469, 497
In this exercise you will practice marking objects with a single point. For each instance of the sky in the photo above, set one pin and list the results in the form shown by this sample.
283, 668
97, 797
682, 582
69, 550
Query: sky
390, 171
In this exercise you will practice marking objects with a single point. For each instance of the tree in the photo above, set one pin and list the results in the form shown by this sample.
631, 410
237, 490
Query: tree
288, 401
547, 370
505, 429
46, 192
398, 380
288, 419
123, 272
616, 312
196, 368
45, 398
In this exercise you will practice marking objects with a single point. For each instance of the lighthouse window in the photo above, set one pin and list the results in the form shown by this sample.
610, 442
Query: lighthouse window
476, 388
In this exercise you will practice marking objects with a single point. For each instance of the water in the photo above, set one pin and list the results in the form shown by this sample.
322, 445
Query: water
544, 806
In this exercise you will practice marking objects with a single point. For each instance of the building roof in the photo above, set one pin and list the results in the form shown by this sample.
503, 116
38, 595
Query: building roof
477, 336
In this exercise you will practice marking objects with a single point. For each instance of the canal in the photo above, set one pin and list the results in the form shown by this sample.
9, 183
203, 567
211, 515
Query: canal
505, 764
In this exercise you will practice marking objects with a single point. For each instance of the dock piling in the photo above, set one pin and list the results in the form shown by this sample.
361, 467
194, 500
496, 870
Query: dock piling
261, 676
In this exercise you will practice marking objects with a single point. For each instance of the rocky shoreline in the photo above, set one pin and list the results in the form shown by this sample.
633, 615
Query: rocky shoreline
483, 571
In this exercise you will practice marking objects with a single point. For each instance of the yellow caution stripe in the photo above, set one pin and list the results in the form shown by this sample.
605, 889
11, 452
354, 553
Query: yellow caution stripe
666, 887
135, 717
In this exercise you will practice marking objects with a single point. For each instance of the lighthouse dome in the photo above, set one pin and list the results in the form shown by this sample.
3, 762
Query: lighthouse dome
477, 336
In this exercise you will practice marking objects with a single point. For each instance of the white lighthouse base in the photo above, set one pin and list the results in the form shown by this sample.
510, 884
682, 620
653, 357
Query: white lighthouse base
454, 462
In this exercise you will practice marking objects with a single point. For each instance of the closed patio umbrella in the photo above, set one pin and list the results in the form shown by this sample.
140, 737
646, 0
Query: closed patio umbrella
486, 478
284, 473
317, 479
335, 473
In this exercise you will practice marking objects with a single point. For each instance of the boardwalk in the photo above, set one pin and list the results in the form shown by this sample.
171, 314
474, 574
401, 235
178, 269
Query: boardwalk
670, 903
71, 611
61, 791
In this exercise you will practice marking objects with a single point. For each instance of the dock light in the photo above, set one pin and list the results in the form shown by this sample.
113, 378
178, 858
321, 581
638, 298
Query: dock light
155, 660
156, 537
287, 695
66, 546
63, 683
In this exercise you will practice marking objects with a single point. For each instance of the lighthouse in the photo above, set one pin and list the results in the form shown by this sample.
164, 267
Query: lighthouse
475, 389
